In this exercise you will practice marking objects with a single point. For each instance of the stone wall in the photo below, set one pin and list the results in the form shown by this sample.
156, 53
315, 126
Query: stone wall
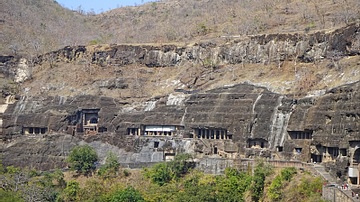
335, 194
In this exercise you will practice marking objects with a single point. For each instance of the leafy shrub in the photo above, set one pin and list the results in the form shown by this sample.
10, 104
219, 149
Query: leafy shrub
159, 174
275, 189
233, 185
9, 196
310, 186
126, 173
111, 166
288, 173
163, 173
257, 187
71, 191
82, 159
127, 195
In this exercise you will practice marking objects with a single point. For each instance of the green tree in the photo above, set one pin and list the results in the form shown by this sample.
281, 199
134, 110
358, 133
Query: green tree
257, 187
276, 186
159, 174
71, 191
233, 185
163, 173
310, 186
275, 189
9, 196
180, 166
127, 195
82, 159
93, 191
111, 166
288, 173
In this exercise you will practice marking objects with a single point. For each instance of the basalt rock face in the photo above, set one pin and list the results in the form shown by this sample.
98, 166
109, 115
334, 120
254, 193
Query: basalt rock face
250, 114
334, 117
253, 49
240, 120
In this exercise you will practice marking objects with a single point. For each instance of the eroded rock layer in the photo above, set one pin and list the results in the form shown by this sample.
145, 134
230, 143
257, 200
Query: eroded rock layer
230, 122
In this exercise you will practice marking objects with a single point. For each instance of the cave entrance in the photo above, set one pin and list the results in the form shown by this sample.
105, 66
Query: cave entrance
316, 158
93, 120
215, 150
356, 158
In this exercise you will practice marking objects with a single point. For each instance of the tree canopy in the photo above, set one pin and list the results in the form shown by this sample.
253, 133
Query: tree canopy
82, 159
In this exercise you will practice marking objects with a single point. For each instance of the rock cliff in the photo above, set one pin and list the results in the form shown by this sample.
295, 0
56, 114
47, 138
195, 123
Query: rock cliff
115, 100
251, 49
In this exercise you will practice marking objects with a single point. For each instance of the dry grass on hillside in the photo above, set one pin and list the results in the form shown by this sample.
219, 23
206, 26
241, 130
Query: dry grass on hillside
32, 27
163, 21
144, 83
189, 20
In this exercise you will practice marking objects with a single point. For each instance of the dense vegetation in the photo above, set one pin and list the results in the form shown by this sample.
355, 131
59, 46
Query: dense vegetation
174, 181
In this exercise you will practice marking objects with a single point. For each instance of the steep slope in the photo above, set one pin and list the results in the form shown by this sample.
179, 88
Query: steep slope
34, 27
203, 91
288, 96
186, 20
286, 63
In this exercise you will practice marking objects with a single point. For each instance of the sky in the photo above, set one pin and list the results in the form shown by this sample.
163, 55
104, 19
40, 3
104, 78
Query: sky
99, 5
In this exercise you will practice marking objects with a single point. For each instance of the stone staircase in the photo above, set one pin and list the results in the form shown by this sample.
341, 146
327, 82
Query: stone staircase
321, 170
331, 180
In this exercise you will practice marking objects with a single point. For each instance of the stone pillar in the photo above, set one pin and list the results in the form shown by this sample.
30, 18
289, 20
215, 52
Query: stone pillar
83, 119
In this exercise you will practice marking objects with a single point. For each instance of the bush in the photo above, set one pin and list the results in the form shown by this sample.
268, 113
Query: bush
9, 196
127, 195
257, 187
288, 173
275, 189
111, 166
163, 173
71, 191
159, 174
126, 173
233, 186
82, 159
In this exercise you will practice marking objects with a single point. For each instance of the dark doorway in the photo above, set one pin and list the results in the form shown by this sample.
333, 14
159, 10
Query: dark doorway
215, 150
356, 158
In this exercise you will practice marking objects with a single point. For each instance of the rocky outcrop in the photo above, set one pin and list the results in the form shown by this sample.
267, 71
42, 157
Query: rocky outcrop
252, 49
240, 120
248, 113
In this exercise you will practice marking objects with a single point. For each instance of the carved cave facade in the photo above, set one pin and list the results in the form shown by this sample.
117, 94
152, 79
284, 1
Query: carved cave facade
237, 122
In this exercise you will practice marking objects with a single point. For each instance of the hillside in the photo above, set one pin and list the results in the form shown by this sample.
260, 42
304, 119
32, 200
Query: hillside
188, 20
34, 27
30, 27
222, 81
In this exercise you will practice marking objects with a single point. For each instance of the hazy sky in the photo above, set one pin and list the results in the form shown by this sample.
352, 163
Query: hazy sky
99, 5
